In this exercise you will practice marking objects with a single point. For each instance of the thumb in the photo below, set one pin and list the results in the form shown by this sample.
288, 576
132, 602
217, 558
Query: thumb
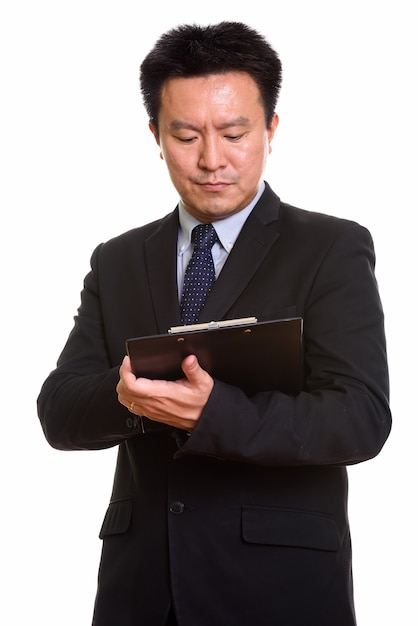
192, 369
197, 377
125, 370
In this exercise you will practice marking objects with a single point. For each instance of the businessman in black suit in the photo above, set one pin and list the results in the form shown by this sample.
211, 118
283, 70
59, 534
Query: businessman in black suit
227, 509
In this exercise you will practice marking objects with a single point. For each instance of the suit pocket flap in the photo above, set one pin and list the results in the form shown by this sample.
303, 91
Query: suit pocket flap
284, 527
117, 518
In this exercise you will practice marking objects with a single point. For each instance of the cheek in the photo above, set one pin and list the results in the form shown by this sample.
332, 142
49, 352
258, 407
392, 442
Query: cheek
250, 160
176, 163
252, 151
178, 171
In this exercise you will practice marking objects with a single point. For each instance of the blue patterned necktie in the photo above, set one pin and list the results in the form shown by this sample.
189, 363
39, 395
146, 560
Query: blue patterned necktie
200, 274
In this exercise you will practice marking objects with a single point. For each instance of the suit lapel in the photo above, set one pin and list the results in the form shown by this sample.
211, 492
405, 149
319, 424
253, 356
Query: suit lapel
258, 235
160, 258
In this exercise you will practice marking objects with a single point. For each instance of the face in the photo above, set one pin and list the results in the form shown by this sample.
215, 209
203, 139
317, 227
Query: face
213, 138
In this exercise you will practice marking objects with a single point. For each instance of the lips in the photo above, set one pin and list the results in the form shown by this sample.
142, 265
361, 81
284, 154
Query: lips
217, 186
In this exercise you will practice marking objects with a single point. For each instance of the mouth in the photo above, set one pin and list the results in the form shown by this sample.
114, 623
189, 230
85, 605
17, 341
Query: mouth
214, 186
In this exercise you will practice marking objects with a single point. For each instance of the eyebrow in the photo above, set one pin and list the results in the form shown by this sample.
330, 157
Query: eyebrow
182, 124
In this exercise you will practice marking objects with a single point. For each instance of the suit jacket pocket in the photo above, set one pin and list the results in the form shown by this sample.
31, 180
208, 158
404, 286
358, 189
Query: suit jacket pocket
287, 527
117, 519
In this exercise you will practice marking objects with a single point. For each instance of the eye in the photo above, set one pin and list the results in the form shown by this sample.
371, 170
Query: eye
234, 138
185, 139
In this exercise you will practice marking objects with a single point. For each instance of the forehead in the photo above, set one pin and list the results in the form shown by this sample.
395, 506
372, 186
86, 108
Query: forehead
224, 92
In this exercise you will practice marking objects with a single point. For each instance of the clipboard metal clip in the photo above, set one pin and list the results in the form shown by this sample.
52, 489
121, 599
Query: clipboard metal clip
239, 321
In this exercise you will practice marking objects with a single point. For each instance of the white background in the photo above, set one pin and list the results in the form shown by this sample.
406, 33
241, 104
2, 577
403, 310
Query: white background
78, 165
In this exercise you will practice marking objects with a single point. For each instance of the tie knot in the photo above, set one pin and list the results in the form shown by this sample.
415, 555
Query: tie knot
204, 236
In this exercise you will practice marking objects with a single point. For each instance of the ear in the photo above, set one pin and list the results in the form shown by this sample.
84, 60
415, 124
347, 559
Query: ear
272, 129
154, 132
156, 137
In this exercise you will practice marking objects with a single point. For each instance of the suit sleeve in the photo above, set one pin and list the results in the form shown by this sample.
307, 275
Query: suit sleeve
78, 405
342, 415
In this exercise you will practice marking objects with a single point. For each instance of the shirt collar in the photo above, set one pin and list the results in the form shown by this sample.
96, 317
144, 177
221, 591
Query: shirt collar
227, 229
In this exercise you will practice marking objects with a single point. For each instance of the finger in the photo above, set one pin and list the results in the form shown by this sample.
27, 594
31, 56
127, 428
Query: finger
125, 367
125, 381
126, 374
191, 368
194, 373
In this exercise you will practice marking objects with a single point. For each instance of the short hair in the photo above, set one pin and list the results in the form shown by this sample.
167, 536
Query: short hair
192, 50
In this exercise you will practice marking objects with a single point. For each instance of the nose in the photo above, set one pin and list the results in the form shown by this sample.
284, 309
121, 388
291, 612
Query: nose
212, 154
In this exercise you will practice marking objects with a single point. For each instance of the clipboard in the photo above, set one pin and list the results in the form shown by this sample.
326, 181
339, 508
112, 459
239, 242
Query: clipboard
255, 356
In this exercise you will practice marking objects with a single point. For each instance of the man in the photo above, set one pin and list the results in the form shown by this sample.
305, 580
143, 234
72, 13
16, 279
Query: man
226, 509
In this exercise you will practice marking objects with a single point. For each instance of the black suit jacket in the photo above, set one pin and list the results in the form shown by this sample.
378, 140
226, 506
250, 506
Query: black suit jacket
244, 522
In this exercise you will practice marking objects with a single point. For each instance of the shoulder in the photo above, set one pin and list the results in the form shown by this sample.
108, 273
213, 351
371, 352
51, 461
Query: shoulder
290, 214
284, 216
134, 241
142, 233
322, 228
304, 228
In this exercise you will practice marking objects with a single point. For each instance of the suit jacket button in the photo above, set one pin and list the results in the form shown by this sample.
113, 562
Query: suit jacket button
177, 508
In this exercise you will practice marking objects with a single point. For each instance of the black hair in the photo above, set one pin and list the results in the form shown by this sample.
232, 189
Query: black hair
193, 50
